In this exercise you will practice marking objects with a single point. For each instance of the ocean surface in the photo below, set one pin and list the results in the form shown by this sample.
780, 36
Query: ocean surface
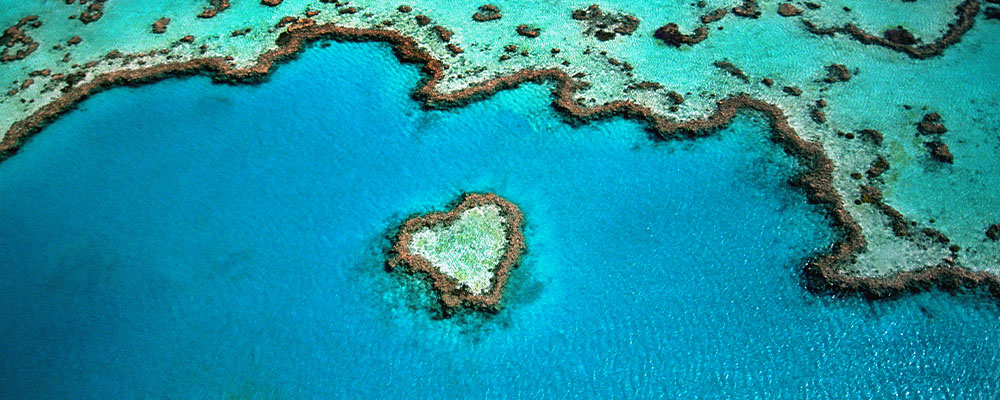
188, 240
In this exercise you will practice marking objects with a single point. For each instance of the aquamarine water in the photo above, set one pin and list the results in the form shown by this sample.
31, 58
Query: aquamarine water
191, 240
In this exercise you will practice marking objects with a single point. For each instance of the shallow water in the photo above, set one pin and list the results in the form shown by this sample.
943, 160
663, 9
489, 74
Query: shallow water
191, 240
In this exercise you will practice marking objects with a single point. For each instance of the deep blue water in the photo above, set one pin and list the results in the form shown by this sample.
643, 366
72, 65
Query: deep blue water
191, 240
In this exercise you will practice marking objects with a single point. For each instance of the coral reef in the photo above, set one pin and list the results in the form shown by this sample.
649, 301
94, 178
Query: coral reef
484, 225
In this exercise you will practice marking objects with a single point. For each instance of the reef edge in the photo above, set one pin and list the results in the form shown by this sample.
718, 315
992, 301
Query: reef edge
966, 12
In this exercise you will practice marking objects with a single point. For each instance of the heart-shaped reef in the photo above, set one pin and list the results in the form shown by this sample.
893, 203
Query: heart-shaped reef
467, 252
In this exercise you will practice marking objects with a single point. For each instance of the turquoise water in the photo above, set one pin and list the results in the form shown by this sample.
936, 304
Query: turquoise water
191, 240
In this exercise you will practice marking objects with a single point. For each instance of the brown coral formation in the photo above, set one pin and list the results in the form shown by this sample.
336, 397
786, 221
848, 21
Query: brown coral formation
901, 40
931, 125
605, 25
451, 294
527, 31
160, 25
675, 97
900, 35
93, 12
870, 194
217, 6
878, 167
792, 90
714, 16
817, 115
788, 10
732, 70
300, 23
645, 85
837, 73
15, 38
993, 232
940, 151
486, 13
748, 9
443, 33
824, 273
671, 34
270, 3
871, 135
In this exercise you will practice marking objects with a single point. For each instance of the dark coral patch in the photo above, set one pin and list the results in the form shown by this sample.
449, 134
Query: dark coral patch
671, 34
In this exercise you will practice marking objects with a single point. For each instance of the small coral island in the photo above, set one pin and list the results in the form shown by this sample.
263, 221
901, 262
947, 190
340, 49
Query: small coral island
467, 252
